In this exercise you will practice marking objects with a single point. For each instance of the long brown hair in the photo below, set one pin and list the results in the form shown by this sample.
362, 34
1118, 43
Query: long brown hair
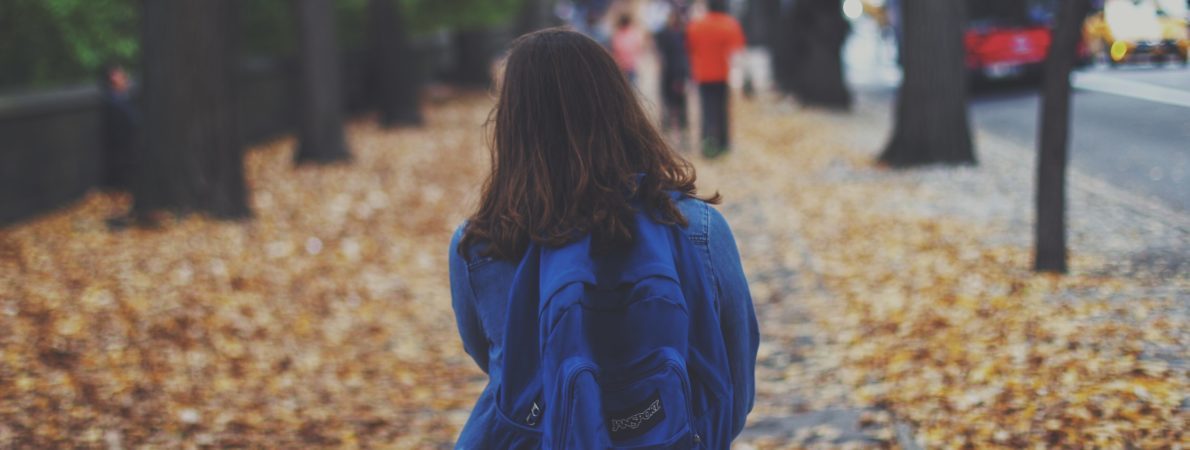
570, 147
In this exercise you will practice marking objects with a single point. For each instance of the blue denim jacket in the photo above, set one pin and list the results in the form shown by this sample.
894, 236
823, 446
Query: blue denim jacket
480, 287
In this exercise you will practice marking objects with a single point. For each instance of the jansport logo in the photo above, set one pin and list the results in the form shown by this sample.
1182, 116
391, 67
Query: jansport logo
634, 421
637, 420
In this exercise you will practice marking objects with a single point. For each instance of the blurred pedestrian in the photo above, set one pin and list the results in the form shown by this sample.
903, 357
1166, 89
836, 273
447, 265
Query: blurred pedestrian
594, 29
120, 126
712, 41
627, 43
585, 193
656, 14
586, 16
675, 74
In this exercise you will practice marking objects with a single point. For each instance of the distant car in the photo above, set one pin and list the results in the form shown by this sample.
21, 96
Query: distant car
1137, 30
1007, 39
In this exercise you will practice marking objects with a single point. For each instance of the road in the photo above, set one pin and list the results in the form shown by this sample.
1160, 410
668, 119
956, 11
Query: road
1139, 145
1130, 126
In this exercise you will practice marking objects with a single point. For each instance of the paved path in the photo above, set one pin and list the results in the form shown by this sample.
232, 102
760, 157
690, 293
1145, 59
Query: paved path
794, 406
798, 403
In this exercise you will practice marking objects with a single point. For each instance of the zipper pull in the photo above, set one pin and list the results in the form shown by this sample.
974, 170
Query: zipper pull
534, 413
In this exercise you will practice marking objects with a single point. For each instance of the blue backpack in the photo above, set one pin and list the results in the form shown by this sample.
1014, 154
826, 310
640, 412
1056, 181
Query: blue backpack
597, 347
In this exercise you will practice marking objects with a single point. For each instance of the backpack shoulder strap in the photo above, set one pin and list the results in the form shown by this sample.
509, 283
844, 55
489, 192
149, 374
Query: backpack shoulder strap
651, 254
522, 346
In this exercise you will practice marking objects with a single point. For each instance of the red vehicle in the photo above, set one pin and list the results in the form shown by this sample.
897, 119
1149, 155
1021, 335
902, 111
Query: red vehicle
1007, 39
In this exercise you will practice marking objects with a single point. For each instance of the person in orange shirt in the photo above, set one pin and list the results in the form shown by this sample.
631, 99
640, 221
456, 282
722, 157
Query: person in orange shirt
711, 42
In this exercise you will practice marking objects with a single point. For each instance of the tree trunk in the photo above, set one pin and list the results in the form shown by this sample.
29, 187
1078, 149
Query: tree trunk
767, 17
819, 31
193, 154
473, 57
781, 46
753, 22
1050, 238
392, 66
931, 123
321, 116
534, 15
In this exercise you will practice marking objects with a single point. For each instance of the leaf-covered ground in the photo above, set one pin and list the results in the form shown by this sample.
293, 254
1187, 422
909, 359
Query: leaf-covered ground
325, 320
920, 310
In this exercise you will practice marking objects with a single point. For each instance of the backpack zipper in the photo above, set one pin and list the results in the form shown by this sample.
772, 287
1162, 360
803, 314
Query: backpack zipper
534, 413
569, 389
689, 398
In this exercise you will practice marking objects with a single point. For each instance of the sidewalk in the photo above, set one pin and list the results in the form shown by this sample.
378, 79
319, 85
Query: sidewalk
909, 292
840, 254
894, 306
800, 399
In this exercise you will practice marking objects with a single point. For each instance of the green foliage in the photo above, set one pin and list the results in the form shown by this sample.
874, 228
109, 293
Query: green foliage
52, 42
432, 15
58, 41
96, 31
268, 27
350, 22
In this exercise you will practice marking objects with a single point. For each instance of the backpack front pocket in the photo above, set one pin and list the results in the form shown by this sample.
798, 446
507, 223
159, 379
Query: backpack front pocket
651, 407
579, 418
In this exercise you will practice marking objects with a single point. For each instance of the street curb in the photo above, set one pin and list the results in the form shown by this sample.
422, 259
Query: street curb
1002, 149
1081, 181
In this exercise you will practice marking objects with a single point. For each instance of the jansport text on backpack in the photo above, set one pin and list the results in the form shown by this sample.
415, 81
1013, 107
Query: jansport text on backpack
598, 350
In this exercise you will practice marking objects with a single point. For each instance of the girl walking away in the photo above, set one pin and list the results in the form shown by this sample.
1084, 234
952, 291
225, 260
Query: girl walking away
602, 296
